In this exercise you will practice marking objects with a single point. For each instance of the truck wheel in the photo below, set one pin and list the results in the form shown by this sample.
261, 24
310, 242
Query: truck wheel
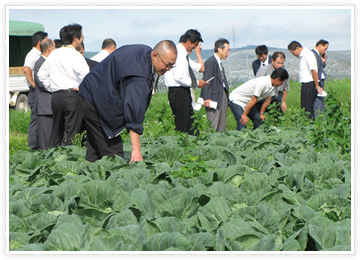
22, 103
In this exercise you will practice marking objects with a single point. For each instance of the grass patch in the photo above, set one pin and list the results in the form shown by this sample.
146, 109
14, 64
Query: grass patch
159, 120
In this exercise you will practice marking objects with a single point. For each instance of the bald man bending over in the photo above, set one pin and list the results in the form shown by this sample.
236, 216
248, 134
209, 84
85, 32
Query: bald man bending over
116, 94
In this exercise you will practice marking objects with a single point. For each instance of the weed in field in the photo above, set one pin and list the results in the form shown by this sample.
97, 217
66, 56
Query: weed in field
332, 129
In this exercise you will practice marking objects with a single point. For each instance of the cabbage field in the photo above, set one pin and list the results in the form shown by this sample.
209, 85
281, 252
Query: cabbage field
283, 187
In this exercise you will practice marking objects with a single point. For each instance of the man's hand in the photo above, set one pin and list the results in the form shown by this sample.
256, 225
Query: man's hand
244, 119
136, 155
197, 49
202, 83
319, 90
207, 103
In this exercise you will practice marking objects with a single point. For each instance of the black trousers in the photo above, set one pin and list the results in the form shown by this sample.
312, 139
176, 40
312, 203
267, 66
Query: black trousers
66, 117
44, 131
33, 141
308, 95
180, 103
98, 145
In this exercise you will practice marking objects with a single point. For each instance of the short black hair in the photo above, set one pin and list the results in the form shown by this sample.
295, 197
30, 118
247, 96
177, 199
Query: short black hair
280, 73
69, 32
293, 45
322, 42
192, 35
261, 49
107, 43
38, 36
220, 43
58, 43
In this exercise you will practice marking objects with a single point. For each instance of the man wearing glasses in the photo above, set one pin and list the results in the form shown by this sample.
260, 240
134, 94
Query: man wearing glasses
181, 79
116, 94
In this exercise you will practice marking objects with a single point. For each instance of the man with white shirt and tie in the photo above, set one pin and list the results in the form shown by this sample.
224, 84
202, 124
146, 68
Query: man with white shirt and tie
218, 88
61, 74
181, 78
308, 76
320, 55
263, 58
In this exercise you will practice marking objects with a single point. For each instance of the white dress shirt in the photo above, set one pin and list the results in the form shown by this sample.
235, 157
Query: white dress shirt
219, 63
266, 62
260, 87
267, 70
307, 63
65, 68
30, 59
179, 75
100, 56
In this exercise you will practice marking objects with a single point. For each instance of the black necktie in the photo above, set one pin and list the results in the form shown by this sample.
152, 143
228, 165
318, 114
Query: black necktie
222, 72
192, 75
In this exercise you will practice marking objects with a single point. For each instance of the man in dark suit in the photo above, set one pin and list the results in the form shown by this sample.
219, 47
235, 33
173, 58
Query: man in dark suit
44, 111
263, 58
320, 55
218, 89
116, 94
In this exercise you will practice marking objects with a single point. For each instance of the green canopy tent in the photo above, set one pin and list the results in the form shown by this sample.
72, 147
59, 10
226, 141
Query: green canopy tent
20, 40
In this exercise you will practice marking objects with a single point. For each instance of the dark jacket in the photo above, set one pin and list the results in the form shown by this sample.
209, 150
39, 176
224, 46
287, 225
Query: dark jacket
320, 66
43, 95
256, 64
215, 89
120, 88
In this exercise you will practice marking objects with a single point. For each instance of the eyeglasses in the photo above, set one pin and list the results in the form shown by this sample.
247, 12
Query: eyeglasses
167, 65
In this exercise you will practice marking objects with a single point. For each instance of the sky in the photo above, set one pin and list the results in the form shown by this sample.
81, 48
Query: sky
241, 25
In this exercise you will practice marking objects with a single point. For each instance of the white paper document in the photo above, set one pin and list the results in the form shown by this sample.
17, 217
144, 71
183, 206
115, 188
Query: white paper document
323, 94
196, 106
213, 104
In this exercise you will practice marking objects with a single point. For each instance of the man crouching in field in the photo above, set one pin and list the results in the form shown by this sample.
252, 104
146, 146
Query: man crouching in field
116, 94
244, 98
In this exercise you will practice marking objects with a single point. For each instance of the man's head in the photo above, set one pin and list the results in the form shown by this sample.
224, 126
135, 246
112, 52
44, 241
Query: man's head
322, 46
261, 52
72, 35
37, 37
222, 48
278, 60
47, 46
190, 39
58, 43
278, 76
163, 56
109, 45
295, 48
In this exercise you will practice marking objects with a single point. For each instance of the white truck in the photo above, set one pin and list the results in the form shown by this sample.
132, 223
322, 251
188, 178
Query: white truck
19, 45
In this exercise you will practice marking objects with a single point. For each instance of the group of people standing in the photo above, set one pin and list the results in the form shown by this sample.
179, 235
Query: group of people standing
111, 92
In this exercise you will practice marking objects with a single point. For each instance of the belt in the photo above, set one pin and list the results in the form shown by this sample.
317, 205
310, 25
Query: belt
65, 90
